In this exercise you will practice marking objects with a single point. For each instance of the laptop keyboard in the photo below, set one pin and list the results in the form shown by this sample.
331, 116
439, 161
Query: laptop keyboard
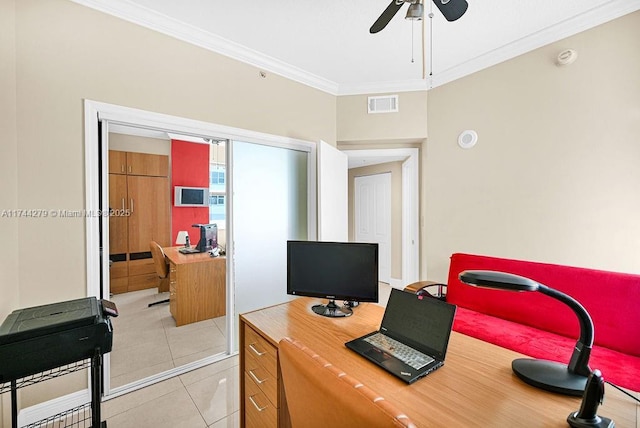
404, 353
188, 250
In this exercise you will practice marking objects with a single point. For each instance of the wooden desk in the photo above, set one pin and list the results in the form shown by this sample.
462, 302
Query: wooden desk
475, 388
197, 286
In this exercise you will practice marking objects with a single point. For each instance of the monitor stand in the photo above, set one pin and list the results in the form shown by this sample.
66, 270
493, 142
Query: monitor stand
332, 310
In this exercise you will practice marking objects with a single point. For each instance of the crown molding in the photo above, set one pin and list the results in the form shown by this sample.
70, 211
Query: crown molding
172, 27
169, 26
590, 19
383, 87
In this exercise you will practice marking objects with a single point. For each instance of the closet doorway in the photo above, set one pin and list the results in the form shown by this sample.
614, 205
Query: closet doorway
99, 117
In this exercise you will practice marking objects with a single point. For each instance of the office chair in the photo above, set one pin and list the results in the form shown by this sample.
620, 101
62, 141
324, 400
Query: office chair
162, 269
420, 288
318, 393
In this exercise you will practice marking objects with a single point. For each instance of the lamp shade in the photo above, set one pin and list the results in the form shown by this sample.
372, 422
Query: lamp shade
500, 280
182, 237
569, 379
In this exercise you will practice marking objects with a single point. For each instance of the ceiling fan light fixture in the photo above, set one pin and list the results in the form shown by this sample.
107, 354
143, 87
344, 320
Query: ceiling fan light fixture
415, 12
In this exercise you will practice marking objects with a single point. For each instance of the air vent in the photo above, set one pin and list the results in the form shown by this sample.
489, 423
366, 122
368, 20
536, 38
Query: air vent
384, 104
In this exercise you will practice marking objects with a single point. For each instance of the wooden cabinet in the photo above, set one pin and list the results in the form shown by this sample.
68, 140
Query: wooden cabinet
259, 369
142, 274
138, 164
118, 218
197, 286
149, 212
117, 162
119, 277
139, 202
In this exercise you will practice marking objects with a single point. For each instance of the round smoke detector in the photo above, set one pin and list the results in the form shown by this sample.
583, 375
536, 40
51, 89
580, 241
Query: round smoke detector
566, 57
467, 139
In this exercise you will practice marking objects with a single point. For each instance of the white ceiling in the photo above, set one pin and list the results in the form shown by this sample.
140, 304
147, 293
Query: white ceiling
327, 45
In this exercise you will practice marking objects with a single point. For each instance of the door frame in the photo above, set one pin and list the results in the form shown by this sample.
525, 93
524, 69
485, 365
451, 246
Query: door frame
97, 268
410, 209
333, 193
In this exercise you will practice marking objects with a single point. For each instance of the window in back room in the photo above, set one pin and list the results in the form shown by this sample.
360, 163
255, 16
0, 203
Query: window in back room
217, 179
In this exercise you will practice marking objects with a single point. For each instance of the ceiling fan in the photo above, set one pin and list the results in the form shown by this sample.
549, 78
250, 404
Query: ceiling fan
451, 9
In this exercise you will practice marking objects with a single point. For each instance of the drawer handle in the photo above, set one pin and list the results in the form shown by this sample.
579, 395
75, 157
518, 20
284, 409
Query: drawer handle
258, 381
258, 353
258, 408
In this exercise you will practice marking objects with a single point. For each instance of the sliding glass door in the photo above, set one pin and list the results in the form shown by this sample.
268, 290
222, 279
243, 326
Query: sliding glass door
270, 205
269, 195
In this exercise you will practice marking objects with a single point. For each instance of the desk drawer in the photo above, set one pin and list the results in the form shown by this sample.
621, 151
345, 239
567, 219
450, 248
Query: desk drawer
141, 282
173, 274
141, 267
259, 411
119, 270
267, 383
173, 296
119, 285
264, 353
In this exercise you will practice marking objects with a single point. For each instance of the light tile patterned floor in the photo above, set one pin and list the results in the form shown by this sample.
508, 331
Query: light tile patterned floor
206, 397
146, 340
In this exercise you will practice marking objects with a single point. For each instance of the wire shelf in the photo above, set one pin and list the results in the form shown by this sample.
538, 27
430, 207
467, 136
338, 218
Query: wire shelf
79, 417
46, 375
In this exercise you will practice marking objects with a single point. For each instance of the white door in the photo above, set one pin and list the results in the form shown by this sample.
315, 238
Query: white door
332, 194
373, 217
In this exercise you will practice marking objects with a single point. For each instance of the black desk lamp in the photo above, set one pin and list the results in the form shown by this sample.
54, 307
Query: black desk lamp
566, 379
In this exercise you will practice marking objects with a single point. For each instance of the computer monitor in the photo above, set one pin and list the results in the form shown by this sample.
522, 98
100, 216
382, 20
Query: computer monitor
333, 270
208, 237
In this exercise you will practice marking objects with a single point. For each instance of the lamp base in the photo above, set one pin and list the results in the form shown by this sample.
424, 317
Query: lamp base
550, 376
597, 422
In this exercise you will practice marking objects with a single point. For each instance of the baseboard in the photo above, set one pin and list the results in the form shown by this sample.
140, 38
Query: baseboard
52, 407
396, 283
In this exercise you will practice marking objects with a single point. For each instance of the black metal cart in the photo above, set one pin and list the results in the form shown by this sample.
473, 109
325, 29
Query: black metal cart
45, 342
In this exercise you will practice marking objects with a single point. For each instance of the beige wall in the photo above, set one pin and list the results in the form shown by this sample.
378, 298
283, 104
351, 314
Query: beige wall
395, 169
66, 53
134, 143
554, 176
8, 175
359, 130
8, 160
409, 123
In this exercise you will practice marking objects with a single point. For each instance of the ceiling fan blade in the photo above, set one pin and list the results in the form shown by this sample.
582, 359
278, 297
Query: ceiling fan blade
386, 16
452, 9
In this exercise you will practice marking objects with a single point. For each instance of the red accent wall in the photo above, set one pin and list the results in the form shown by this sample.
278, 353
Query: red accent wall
189, 167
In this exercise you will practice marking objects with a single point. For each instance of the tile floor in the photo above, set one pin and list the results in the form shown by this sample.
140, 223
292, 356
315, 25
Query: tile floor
147, 341
205, 397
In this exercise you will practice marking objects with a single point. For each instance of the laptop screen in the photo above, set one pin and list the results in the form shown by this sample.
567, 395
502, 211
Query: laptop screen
422, 323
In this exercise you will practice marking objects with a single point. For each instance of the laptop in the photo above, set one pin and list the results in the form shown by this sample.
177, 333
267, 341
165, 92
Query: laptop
413, 337
189, 250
